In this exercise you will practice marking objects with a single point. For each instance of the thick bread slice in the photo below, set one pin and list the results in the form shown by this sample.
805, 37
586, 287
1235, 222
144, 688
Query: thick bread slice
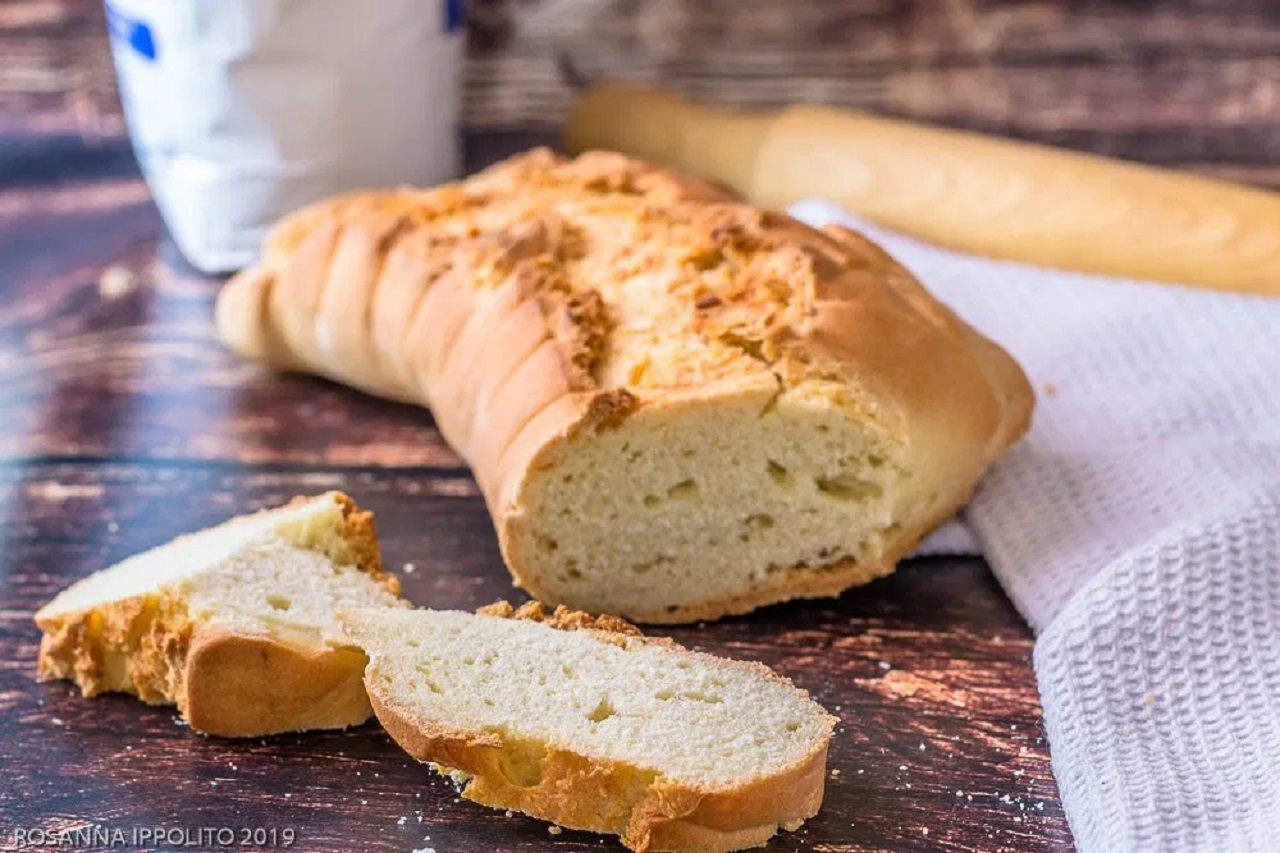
589, 724
677, 406
234, 624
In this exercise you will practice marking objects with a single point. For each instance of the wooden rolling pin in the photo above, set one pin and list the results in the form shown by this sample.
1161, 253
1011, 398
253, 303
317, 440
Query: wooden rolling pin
970, 192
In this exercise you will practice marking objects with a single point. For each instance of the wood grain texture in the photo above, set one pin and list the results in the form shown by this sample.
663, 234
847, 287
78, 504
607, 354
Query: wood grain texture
125, 423
928, 671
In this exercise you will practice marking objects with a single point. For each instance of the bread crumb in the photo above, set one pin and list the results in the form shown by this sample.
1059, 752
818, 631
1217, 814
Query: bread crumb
509, 813
403, 819
410, 568
1150, 699
835, 773
113, 527
1050, 389
924, 830
902, 767
885, 665
554, 830
57, 721
115, 282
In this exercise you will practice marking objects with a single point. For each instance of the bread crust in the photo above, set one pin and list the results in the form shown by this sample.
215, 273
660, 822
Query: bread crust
648, 811
224, 682
469, 313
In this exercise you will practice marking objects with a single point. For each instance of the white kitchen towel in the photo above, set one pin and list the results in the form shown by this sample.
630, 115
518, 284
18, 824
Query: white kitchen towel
1137, 528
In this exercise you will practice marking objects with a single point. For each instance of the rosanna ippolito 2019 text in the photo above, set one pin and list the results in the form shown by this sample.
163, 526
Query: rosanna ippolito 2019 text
203, 837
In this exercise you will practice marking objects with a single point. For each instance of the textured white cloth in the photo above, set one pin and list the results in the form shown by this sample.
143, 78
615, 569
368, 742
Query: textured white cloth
1137, 528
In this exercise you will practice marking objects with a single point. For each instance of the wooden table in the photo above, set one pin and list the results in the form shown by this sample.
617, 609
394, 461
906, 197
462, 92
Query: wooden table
126, 423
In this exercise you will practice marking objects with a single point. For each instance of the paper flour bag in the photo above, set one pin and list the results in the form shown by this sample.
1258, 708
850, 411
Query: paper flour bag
243, 110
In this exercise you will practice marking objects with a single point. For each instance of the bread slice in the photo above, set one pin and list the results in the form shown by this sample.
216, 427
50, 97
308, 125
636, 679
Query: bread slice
234, 624
585, 722
677, 406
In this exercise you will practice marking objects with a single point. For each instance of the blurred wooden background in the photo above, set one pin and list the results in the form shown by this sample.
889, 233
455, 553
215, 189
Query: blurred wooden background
1191, 83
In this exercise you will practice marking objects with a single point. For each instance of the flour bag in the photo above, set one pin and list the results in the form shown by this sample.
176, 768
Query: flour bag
243, 110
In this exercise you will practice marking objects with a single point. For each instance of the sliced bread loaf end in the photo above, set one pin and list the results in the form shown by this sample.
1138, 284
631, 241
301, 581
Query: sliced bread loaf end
585, 722
235, 624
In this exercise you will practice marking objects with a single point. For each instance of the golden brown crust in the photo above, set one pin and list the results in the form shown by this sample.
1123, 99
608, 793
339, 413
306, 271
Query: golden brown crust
224, 682
359, 540
649, 811
138, 645
516, 254
562, 618
239, 685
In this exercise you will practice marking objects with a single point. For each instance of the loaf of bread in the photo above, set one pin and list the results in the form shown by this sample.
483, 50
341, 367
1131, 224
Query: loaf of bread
677, 406
979, 194
668, 748
235, 625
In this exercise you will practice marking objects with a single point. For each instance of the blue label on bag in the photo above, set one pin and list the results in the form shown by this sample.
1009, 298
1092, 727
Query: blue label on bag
131, 31
455, 15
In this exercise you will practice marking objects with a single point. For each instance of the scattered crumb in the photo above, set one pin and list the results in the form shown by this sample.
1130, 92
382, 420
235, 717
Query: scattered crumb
115, 282
410, 568
288, 796
860, 772
113, 527
57, 721
213, 782
509, 813
1050, 389
902, 767
885, 665
425, 850
835, 773
922, 747
401, 822
1013, 727
924, 830
554, 830
1017, 819
1150, 699
959, 793
364, 802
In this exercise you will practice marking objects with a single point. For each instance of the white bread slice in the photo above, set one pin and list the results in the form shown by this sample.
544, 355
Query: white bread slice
585, 722
234, 624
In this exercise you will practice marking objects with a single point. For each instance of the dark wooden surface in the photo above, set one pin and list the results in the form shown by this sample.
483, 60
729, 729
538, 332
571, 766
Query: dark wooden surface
125, 423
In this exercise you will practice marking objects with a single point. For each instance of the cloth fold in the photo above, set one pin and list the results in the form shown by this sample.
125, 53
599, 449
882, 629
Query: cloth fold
1137, 529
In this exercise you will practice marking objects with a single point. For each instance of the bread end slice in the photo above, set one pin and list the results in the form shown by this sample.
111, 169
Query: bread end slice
585, 722
235, 624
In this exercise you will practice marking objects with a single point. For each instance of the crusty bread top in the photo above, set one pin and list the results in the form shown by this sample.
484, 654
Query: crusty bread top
653, 284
